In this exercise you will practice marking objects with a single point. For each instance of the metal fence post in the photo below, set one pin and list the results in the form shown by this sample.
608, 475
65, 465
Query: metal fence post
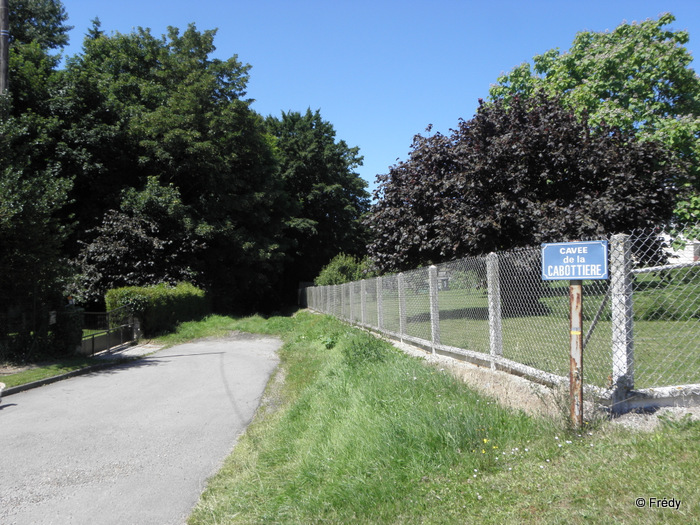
622, 323
402, 306
380, 304
493, 280
434, 307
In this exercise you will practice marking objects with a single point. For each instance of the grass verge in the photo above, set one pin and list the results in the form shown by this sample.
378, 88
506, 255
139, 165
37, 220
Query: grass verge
361, 433
46, 370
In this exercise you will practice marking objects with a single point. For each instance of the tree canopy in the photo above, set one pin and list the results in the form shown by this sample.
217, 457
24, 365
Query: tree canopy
41, 22
517, 174
344, 269
636, 77
33, 187
142, 161
137, 106
326, 197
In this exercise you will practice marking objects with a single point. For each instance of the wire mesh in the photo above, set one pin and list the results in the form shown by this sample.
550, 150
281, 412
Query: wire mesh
463, 302
355, 302
640, 329
530, 309
417, 300
391, 320
370, 317
666, 307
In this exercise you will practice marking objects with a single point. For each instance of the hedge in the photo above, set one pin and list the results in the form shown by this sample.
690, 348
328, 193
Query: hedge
161, 307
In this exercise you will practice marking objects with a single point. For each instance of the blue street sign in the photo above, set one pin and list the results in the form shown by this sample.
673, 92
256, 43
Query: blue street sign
570, 261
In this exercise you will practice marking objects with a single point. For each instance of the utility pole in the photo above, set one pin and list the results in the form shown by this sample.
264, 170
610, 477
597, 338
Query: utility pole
4, 45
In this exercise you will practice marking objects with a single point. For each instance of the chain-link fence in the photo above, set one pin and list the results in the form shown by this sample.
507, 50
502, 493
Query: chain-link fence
641, 327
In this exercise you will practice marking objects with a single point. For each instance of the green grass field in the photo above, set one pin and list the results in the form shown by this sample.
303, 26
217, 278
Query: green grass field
666, 327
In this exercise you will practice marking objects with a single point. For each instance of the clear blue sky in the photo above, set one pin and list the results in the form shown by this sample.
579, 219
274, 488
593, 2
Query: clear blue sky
380, 71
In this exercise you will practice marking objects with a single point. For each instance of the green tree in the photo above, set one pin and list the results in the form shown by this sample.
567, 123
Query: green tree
37, 27
33, 187
517, 174
41, 22
150, 240
635, 77
327, 197
138, 106
30, 234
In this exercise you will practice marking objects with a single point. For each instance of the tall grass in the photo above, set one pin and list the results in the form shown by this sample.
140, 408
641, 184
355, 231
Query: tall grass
365, 431
361, 433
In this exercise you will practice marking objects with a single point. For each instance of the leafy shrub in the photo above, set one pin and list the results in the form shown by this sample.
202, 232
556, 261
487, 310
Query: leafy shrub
160, 308
344, 269
329, 341
150, 240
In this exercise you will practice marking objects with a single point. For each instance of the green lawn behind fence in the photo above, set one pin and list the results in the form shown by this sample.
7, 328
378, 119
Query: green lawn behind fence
666, 326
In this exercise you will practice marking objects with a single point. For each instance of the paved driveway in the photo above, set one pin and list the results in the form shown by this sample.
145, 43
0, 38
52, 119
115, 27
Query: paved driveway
133, 444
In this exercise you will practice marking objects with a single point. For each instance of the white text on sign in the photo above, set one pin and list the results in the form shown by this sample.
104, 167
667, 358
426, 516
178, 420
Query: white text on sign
574, 271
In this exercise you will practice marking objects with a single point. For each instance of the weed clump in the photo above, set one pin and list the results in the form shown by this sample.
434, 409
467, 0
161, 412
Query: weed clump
361, 349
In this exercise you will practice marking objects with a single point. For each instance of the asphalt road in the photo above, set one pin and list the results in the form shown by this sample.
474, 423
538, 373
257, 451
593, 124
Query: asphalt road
134, 444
